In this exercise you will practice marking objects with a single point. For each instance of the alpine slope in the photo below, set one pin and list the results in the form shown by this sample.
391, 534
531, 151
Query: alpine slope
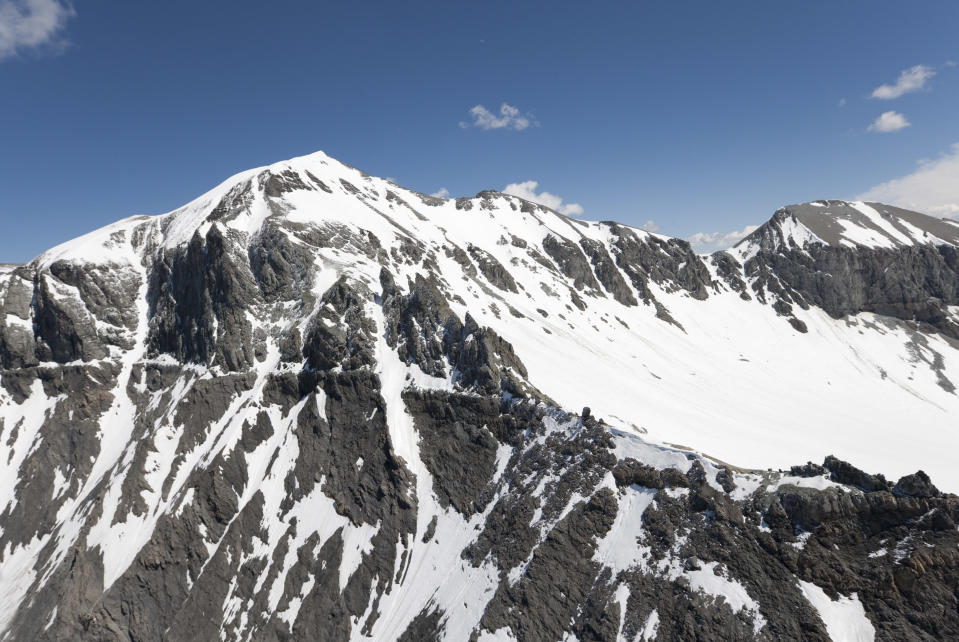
312, 404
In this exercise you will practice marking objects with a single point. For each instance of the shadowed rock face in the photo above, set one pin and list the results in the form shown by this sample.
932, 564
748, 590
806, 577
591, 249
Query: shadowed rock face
269, 427
849, 258
910, 283
197, 299
571, 261
852, 258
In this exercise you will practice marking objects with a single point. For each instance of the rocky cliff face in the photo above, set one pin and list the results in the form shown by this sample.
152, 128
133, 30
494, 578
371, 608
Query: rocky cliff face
314, 405
877, 259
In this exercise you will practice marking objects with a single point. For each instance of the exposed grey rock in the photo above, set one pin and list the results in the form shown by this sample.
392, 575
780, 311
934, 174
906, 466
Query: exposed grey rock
730, 270
279, 266
671, 263
492, 269
17, 343
571, 261
607, 272
340, 333
425, 626
198, 296
845, 473
915, 485
65, 329
629, 472
236, 200
913, 283
271, 467
827, 220
558, 579
459, 450
275, 185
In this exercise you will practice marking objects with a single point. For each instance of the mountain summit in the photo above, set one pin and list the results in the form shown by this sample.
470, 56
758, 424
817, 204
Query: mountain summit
313, 404
845, 224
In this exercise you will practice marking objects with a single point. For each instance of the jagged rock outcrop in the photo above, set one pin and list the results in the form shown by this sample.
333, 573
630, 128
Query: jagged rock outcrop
893, 264
314, 405
910, 283
197, 299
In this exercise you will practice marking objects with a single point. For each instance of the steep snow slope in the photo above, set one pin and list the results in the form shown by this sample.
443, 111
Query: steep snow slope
728, 378
313, 401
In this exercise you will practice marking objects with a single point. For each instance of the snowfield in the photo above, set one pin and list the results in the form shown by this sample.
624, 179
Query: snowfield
734, 381
283, 444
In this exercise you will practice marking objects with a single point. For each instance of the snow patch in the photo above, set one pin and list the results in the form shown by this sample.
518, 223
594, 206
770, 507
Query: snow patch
845, 618
651, 628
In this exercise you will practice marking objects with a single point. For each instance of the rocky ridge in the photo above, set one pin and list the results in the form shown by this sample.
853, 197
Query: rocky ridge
314, 405
848, 258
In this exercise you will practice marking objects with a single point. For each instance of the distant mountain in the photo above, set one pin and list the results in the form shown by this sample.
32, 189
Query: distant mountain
852, 225
312, 404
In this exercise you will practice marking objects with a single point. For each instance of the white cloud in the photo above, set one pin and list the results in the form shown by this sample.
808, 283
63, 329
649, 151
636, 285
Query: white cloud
932, 189
441, 193
910, 80
650, 226
25, 24
509, 118
842, 102
707, 242
889, 121
527, 190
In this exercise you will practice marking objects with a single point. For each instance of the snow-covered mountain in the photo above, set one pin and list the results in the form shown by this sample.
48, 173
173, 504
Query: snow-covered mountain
853, 225
312, 403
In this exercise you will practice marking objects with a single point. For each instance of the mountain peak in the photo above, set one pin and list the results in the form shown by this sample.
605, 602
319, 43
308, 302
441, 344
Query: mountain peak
848, 224
317, 189
358, 394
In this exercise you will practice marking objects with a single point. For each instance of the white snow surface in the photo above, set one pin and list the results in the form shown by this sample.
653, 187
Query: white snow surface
856, 224
734, 382
845, 618
651, 628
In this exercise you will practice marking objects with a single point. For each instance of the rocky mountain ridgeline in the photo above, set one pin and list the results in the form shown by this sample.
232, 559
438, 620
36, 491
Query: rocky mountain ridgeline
314, 405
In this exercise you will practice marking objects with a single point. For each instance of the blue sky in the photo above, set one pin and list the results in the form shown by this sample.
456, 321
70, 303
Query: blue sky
701, 117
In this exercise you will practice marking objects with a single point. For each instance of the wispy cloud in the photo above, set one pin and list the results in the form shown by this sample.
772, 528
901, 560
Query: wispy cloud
441, 193
889, 121
650, 226
27, 24
707, 242
910, 80
932, 189
509, 118
527, 190
842, 102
